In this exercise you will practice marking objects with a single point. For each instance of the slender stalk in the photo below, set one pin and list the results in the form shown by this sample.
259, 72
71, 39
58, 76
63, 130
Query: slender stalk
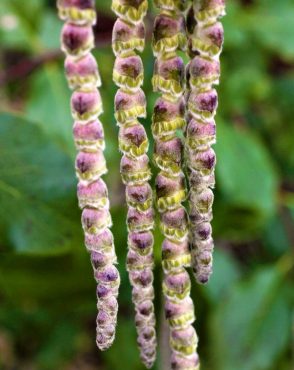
205, 44
130, 104
81, 69
169, 116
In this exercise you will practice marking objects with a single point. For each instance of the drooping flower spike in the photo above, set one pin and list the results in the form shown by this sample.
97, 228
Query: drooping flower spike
82, 73
203, 71
130, 104
169, 35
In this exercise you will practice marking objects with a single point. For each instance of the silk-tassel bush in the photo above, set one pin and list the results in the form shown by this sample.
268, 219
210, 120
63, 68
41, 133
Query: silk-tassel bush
203, 71
169, 116
77, 40
130, 104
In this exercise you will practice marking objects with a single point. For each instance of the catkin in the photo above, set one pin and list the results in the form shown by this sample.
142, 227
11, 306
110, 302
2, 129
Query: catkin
130, 104
203, 72
169, 35
77, 40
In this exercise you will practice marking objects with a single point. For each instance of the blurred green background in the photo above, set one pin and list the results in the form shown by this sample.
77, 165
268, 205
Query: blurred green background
47, 292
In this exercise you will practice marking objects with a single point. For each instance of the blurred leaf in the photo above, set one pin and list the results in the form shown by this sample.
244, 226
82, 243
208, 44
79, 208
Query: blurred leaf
50, 30
220, 283
49, 106
246, 176
252, 327
37, 186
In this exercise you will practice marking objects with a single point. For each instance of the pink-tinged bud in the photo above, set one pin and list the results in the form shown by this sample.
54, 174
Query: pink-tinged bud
203, 160
133, 140
145, 308
133, 11
203, 72
169, 77
199, 180
200, 135
140, 295
101, 259
128, 72
181, 362
175, 255
90, 136
105, 337
184, 340
135, 171
104, 291
86, 105
90, 165
76, 41
142, 278
95, 220
168, 155
174, 224
202, 200
109, 305
170, 191
127, 37
82, 73
209, 11
107, 275
171, 5
137, 261
203, 104
179, 313
165, 110
93, 195
142, 242
177, 285
169, 34
202, 231
140, 221
208, 40
128, 107
139, 196
77, 11
99, 242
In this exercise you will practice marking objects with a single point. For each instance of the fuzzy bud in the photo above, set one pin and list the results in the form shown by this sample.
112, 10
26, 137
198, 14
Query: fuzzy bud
76, 41
139, 196
140, 221
179, 313
209, 11
128, 72
168, 155
128, 107
203, 105
170, 191
90, 165
141, 242
177, 285
77, 11
94, 195
82, 73
95, 220
208, 40
203, 72
86, 105
133, 140
130, 10
135, 171
200, 135
127, 37
89, 137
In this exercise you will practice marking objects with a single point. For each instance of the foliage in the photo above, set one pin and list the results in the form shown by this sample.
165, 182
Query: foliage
47, 309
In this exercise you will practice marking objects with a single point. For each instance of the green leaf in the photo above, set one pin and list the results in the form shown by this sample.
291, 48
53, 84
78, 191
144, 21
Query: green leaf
37, 190
49, 105
246, 177
251, 328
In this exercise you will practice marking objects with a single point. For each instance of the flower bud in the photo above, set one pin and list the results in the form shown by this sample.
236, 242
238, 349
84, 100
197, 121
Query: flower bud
99, 242
90, 165
82, 73
179, 313
169, 77
184, 340
168, 155
86, 105
136, 261
203, 104
170, 191
141, 242
180, 362
140, 221
177, 286
142, 278
128, 107
203, 161
89, 137
169, 34
133, 140
174, 224
76, 41
200, 135
208, 40
135, 171
175, 254
77, 11
139, 196
203, 72
209, 11
171, 5
129, 10
127, 37
128, 72
95, 220
93, 195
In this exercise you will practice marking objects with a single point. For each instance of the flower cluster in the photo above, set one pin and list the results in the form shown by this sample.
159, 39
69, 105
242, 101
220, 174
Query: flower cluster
82, 73
169, 35
203, 71
130, 104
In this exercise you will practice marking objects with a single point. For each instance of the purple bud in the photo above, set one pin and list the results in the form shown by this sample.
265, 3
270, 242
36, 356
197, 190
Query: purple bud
200, 135
133, 140
203, 160
90, 136
129, 107
180, 362
172, 250
127, 37
142, 278
90, 166
107, 275
77, 40
209, 11
128, 72
177, 285
179, 313
86, 105
165, 110
203, 72
209, 39
176, 218
93, 194
133, 11
95, 220
138, 261
167, 186
168, 155
98, 242
203, 104
141, 241
79, 4
82, 72
140, 221
135, 171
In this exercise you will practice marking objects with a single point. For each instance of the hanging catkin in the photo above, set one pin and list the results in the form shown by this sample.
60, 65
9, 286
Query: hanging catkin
169, 35
203, 71
130, 104
81, 69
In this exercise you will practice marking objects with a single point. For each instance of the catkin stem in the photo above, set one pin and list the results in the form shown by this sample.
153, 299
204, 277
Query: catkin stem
169, 35
77, 40
130, 104
203, 71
